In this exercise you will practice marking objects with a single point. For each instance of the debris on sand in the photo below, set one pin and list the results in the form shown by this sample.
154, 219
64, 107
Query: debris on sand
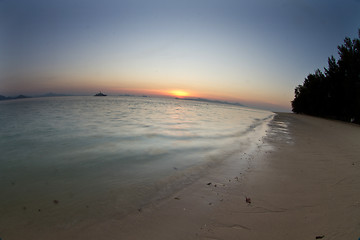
248, 200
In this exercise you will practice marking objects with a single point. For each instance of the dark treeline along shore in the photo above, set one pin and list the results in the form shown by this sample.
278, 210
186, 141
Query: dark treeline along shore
336, 92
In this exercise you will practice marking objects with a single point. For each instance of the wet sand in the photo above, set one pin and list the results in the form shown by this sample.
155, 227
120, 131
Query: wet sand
301, 182
305, 185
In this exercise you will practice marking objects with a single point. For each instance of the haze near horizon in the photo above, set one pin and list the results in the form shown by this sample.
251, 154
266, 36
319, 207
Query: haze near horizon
252, 52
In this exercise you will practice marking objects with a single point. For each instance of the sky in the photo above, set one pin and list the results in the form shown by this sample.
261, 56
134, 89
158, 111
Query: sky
253, 52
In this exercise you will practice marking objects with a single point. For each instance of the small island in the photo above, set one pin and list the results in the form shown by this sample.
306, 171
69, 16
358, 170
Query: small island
12, 98
100, 94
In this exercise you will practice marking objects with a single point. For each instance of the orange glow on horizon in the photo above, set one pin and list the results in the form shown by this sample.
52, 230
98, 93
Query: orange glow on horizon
178, 93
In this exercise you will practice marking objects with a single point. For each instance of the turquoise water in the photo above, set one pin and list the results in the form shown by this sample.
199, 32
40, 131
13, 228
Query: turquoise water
66, 160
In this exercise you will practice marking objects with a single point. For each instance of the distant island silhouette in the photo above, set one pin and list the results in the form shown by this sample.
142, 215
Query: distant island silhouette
12, 98
100, 94
21, 96
211, 101
51, 94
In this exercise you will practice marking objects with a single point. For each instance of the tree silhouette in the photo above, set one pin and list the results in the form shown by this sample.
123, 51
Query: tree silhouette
336, 92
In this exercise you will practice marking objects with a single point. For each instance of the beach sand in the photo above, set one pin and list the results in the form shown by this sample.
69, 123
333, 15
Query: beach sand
303, 182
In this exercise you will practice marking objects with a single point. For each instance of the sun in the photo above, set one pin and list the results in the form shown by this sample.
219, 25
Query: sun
179, 93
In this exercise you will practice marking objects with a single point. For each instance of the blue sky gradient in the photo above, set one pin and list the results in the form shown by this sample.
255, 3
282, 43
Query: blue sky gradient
254, 52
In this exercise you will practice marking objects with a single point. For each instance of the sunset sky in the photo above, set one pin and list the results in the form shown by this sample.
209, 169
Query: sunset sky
254, 52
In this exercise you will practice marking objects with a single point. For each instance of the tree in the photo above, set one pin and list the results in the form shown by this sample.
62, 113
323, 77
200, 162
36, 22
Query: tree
336, 92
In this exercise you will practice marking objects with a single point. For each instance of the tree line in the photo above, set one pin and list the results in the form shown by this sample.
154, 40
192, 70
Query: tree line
334, 93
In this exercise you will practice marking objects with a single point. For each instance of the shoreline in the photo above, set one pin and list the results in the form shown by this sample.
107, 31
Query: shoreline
305, 187
303, 181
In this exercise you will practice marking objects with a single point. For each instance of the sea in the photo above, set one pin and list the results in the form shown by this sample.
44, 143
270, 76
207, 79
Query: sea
69, 160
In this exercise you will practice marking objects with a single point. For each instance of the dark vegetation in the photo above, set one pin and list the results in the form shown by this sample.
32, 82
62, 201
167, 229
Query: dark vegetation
334, 93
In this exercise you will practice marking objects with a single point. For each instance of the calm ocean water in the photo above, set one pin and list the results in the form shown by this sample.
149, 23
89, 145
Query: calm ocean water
66, 160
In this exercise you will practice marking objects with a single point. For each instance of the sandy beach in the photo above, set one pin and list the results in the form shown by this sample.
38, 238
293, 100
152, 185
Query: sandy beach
303, 183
